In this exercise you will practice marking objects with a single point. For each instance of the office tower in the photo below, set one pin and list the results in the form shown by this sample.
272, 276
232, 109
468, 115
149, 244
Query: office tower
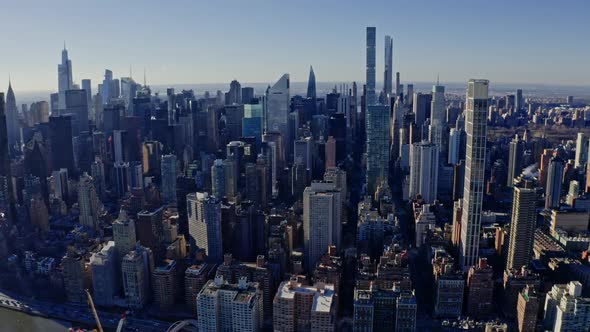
438, 112
75, 277
388, 74
234, 115
105, 279
124, 234
232, 175
566, 309
218, 178
60, 184
522, 227
62, 148
195, 277
406, 309
277, 106
311, 87
164, 284
424, 171
77, 105
528, 309
64, 79
204, 223
581, 150
121, 184
514, 160
230, 307
152, 157
6, 197
322, 211
135, 176
168, 168
107, 91
88, 202
480, 289
235, 93
554, 182
247, 95
371, 61
39, 214
252, 122
518, 101
120, 146
454, 146
378, 145
338, 177
12, 125
422, 107
330, 152
137, 267
297, 307
87, 86
475, 121
150, 229
546, 157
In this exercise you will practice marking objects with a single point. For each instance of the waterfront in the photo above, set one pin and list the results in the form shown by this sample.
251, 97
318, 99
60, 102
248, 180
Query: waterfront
11, 320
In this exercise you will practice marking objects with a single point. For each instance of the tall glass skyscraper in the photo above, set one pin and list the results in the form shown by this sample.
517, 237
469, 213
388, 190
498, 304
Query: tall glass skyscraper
377, 128
64, 78
476, 128
388, 73
371, 32
311, 88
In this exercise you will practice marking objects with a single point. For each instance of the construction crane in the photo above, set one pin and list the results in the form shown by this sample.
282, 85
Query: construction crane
98, 325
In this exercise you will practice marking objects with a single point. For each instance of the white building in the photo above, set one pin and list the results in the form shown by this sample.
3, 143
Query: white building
424, 221
424, 171
565, 309
322, 210
230, 307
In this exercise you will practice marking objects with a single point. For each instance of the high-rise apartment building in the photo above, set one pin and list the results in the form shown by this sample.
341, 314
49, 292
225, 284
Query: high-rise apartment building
371, 61
165, 284
566, 309
527, 309
581, 150
522, 227
168, 169
388, 73
230, 307
105, 277
480, 289
476, 127
297, 307
514, 160
554, 183
137, 267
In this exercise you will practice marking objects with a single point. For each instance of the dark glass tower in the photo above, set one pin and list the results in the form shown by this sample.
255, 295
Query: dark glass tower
311, 89
6, 198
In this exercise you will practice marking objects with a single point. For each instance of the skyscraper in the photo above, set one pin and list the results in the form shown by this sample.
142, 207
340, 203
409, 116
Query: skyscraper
518, 101
168, 168
60, 131
12, 125
581, 150
77, 105
88, 202
522, 227
514, 160
105, 279
277, 109
371, 61
476, 127
388, 74
64, 79
124, 234
6, 197
235, 93
322, 210
377, 129
311, 88
424, 171
137, 267
204, 224
554, 182
438, 117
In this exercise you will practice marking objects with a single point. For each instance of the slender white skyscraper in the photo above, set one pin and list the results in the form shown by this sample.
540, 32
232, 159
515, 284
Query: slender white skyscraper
64, 78
371, 35
388, 74
424, 171
581, 150
476, 127
454, 146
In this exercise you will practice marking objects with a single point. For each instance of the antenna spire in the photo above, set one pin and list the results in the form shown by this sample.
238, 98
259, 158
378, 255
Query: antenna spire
144, 79
437, 79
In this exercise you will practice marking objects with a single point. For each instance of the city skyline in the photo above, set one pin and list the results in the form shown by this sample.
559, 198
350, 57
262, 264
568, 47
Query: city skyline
419, 54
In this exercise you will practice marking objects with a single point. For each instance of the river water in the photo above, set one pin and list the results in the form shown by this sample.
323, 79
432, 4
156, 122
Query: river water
15, 321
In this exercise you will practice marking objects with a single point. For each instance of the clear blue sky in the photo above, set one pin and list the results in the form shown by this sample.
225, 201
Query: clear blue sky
524, 41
